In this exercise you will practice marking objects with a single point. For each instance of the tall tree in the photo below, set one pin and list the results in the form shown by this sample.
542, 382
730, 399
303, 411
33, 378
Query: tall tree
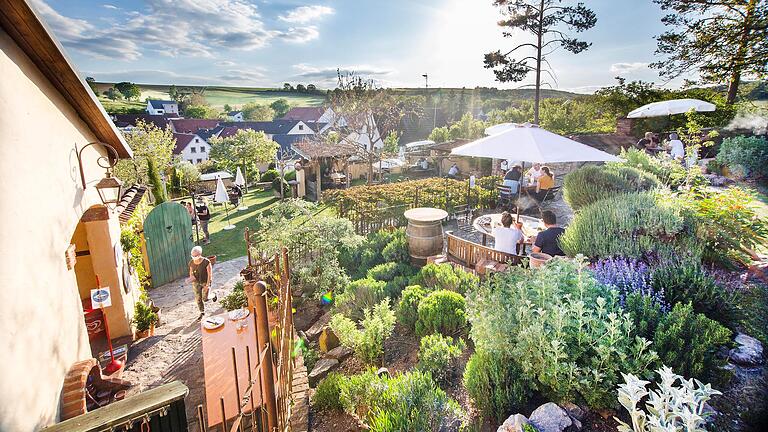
91, 81
155, 182
370, 113
246, 148
281, 107
255, 112
202, 112
545, 20
148, 142
129, 90
723, 40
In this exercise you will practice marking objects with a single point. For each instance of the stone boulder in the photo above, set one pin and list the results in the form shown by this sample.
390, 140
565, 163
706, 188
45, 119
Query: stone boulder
749, 351
550, 418
321, 369
513, 423
339, 353
314, 331
327, 340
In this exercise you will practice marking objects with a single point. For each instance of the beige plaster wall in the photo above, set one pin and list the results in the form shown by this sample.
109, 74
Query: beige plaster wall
41, 202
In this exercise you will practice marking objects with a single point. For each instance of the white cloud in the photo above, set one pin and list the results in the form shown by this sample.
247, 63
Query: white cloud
175, 28
306, 14
109, 6
225, 63
152, 76
309, 71
243, 76
300, 34
623, 68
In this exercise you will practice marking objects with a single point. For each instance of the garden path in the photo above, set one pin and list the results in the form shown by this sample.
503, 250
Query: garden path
175, 351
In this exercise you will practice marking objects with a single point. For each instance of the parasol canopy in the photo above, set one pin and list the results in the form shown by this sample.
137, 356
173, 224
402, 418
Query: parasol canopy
221, 195
530, 143
239, 179
670, 107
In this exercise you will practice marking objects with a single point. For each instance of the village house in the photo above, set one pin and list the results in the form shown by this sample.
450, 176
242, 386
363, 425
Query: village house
235, 116
160, 107
191, 148
62, 221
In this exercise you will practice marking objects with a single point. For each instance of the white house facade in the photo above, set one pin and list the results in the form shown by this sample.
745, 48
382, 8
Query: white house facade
191, 148
160, 107
236, 116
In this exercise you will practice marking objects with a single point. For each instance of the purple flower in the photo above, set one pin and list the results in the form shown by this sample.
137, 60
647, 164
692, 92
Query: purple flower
628, 276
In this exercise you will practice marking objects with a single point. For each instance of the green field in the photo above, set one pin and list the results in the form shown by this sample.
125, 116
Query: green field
215, 96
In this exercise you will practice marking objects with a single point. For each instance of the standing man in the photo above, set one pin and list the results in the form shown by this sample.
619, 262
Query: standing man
200, 274
301, 189
203, 216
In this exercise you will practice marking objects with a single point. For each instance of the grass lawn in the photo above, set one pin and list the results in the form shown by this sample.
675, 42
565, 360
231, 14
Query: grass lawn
230, 244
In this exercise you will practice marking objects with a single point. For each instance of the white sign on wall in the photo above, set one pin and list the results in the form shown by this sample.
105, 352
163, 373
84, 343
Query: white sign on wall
100, 298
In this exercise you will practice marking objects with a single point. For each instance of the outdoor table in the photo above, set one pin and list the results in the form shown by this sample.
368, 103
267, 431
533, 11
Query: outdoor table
218, 369
484, 225
424, 232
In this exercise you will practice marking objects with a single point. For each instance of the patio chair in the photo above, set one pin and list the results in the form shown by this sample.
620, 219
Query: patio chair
507, 198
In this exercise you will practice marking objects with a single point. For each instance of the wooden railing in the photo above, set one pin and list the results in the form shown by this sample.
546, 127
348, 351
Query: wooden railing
159, 409
468, 254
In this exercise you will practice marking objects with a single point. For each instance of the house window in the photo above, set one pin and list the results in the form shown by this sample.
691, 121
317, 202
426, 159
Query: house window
199, 160
191, 160
301, 127
197, 139
193, 149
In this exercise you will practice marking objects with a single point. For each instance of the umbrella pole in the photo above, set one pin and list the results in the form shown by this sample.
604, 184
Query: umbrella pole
520, 191
229, 222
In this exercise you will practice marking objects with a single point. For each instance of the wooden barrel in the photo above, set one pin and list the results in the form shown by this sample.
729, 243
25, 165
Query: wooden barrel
424, 233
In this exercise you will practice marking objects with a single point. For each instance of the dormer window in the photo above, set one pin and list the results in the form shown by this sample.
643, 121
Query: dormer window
197, 139
301, 127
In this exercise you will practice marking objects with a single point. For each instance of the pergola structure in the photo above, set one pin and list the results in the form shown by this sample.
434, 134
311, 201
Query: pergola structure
317, 151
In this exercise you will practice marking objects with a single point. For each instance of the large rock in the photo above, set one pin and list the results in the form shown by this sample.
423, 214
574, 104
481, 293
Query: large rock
748, 353
550, 418
339, 353
327, 340
321, 369
513, 423
314, 331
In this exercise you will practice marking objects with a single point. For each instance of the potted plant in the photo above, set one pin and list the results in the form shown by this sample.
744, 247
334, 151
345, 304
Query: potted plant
144, 319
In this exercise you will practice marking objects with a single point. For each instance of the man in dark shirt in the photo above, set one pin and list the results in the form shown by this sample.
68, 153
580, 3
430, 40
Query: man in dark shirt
548, 240
203, 215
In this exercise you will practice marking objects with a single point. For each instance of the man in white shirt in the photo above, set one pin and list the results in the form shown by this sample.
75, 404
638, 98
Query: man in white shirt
534, 173
508, 236
453, 171
676, 147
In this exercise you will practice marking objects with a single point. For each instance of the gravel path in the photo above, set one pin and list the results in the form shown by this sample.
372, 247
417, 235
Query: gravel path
175, 351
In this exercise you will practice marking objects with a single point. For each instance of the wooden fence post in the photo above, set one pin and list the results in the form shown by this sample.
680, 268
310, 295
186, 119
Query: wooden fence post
262, 339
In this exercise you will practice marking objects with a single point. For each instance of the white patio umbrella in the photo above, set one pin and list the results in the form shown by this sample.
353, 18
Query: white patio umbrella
530, 143
221, 196
240, 181
670, 107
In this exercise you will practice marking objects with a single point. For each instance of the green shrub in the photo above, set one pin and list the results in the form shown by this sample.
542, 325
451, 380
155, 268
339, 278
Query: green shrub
269, 176
566, 331
670, 172
397, 248
144, 317
727, 225
441, 311
688, 343
388, 271
368, 343
235, 299
328, 393
496, 385
406, 402
593, 183
630, 225
408, 308
645, 314
396, 286
370, 253
750, 152
445, 277
359, 295
687, 282
438, 354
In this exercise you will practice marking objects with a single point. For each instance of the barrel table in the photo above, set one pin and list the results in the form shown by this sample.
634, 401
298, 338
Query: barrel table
424, 233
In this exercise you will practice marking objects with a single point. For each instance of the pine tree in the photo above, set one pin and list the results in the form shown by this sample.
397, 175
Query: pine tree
156, 184
722, 40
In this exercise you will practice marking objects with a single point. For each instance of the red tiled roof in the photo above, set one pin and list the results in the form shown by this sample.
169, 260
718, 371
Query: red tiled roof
305, 114
228, 131
187, 126
181, 142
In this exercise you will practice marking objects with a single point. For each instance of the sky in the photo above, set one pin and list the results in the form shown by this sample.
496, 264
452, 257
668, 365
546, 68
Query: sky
264, 43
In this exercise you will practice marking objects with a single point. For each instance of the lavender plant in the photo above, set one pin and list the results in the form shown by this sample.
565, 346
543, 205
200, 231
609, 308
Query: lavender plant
628, 276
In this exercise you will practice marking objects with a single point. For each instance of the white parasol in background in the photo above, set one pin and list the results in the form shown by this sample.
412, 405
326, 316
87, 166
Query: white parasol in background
670, 107
240, 181
221, 196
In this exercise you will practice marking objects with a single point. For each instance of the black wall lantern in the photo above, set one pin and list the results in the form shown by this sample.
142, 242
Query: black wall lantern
109, 188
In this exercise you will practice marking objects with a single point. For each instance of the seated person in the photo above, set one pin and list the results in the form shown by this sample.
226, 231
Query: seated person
546, 182
509, 236
512, 178
453, 172
676, 147
648, 142
534, 173
422, 164
547, 241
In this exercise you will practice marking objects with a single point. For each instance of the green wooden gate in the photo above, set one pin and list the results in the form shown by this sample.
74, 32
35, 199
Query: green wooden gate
168, 233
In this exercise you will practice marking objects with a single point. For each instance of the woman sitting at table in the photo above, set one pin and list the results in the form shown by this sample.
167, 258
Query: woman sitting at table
545, 183
509, 236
